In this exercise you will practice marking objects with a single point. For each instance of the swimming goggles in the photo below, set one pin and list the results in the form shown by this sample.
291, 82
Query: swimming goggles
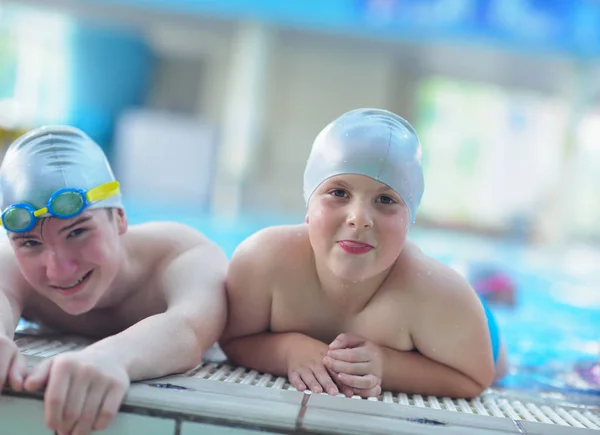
64, 204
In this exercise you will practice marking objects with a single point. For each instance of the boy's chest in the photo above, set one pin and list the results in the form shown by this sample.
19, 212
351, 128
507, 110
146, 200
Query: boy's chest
383, 321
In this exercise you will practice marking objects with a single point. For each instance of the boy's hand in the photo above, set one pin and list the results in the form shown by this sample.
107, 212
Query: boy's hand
13, 365
358, 364
306, 369
84, 391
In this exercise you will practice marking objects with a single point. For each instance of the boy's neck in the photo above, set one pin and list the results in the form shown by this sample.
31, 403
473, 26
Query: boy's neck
351, 297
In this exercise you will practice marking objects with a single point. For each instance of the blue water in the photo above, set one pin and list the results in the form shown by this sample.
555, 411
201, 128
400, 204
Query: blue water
554, 325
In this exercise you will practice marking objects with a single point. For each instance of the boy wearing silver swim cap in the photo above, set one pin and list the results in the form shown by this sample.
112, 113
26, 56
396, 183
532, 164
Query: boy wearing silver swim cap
345, 303
152, 294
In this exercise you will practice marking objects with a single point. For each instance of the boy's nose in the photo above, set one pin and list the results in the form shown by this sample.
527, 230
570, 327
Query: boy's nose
359, 217
60, 268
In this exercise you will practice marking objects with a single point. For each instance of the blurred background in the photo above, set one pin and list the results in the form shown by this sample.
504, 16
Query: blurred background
207, 111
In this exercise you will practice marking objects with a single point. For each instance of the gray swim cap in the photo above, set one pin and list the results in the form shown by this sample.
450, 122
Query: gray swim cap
47, 159
372, 142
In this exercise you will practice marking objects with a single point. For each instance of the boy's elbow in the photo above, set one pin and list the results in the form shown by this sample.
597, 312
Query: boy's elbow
230, 349
224, 344
474, 384
236, 348
466, 389
489, 375
196, 349
188, 358
229, 343
227, 339
471, 391
198, 337
477, 386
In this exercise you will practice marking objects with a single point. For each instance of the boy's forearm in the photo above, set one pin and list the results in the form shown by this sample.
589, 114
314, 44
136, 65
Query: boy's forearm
414, 373
157, 346
266, 352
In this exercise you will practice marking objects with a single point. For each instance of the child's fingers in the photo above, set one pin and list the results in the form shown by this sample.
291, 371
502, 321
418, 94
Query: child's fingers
294, 378
371, 392
347, 391
338, 366
359, 382
354, 355
38, 377
347, 340
18, 373
326, 381
310, 380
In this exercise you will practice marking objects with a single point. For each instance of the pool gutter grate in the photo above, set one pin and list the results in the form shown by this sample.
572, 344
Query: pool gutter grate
488, 404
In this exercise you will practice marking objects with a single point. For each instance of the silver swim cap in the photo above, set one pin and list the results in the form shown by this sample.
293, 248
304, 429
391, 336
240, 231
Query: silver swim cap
47, 159
372, 142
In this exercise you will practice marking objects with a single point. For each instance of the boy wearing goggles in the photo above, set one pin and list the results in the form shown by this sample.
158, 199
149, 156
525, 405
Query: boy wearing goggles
346, 303
152, 295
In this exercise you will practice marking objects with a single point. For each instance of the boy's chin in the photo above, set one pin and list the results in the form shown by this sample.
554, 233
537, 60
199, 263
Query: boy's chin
78, 306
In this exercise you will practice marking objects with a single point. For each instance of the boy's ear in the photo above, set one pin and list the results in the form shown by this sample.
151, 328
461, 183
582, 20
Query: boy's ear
122, 223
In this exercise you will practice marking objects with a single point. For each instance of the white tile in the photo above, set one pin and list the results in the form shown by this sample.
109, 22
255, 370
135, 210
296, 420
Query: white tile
395, 410
22, 416
233, 409
139, 424
230, 388
188, 428
348, 423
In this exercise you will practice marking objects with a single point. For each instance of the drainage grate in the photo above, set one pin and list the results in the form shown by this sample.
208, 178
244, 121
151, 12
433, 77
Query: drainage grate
47, 347
488, 404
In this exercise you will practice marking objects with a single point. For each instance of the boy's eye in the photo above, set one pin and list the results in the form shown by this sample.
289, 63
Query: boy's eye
77, 232
30, 243
340, 193
384, 199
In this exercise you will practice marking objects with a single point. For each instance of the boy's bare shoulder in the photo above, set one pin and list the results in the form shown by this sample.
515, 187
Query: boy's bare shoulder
273, 249
174, 235
426, 277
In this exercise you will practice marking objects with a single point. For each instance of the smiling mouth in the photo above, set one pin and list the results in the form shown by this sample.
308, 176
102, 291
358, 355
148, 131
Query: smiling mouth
75, 284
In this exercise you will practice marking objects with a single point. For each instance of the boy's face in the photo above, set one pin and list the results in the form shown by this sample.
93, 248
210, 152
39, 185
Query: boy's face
72, 261
357, 226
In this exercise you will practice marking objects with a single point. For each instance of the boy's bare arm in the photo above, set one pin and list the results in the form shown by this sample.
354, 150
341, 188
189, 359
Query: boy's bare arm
175, 340
13, 292
414, 373
368, 369
450, 330
165, 343
247, 339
